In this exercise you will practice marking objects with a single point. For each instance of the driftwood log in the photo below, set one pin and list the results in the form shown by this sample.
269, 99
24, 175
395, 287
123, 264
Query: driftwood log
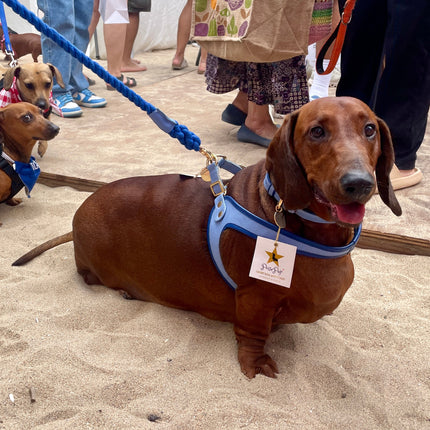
369, 239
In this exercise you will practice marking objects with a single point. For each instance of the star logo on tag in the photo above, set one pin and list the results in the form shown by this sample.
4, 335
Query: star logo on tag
274, 257
278, 268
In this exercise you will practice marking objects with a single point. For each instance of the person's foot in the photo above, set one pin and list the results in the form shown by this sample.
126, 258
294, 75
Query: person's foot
178, 64
133, 66
233, 115
202, 68
266, 130
405, 178
87, 98
66, 106
90, 81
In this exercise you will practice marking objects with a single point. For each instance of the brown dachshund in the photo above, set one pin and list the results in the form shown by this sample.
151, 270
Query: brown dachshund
21, 126
23, 44
147, 236
31, 83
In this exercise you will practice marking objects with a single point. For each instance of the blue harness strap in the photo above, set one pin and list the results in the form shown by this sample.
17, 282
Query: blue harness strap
227, 213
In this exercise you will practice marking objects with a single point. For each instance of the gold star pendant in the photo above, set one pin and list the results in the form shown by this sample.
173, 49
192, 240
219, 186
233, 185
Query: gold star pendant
274, 256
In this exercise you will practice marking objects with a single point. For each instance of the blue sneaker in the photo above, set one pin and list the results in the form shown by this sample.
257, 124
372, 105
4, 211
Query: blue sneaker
88, 99
67, 106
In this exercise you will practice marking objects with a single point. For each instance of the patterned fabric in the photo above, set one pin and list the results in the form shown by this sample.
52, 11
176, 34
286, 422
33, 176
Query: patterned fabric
230, 19
321, 20
282, 83
12, 96
224, 19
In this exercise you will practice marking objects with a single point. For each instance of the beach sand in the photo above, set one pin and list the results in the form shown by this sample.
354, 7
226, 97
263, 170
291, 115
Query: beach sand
93, 360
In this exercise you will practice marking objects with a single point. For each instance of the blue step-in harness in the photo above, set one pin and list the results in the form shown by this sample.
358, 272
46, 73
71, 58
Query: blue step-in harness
227, 213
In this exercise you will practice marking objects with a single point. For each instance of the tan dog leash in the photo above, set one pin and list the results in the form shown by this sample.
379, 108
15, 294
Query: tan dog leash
338, 37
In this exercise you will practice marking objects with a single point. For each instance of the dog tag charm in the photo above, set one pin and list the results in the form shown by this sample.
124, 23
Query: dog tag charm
280, 219
205, 175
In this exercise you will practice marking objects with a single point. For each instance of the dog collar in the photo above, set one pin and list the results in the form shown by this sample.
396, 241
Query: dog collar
227, 213
305, 214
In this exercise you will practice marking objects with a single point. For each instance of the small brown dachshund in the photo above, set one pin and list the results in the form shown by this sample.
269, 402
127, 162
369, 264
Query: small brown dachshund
21, 126
23, 44
147, 236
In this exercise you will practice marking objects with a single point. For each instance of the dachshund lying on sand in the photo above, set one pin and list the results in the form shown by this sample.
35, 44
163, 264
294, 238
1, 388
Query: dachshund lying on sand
147, 236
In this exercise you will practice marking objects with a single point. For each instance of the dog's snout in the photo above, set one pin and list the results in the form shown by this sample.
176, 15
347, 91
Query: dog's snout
53, 129
357, 184
41, 103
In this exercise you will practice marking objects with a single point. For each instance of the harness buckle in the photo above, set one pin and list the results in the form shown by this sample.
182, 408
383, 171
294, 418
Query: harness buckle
221, 188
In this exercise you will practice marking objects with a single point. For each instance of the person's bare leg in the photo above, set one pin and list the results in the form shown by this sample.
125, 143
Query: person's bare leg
260, 121
128, 64
114, 35
94, 19
241, 101
202, 63
183, 35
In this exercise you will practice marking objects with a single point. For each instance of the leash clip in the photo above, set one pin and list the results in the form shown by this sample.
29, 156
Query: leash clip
13, 62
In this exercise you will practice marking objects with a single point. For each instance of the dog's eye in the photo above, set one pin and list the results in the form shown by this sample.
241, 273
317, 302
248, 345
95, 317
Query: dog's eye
370, 130
48, 85
317, 132
27, 117
29, 86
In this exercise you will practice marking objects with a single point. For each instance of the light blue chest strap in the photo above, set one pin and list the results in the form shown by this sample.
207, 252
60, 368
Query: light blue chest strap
227, 213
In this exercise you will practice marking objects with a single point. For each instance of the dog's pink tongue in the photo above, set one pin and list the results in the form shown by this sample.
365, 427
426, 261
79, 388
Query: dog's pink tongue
352, 213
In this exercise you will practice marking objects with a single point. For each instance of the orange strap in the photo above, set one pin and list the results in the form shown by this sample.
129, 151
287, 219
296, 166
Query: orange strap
338, 36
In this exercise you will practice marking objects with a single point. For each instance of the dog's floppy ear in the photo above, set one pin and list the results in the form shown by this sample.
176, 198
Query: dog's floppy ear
9, 75
284, 169
56, 73
383, 168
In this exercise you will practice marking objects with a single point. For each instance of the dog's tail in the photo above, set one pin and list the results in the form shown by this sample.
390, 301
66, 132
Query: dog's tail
59, 240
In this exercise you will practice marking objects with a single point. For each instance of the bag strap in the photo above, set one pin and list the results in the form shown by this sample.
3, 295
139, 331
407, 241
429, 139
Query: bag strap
338, 36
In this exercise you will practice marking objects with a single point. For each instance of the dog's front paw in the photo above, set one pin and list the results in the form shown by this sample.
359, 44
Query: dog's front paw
253, 365
14, 201
42, 147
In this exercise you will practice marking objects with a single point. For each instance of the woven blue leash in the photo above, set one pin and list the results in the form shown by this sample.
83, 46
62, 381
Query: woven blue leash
168, 125
7, 44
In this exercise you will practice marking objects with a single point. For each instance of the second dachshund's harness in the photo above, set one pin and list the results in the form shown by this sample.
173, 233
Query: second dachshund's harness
227, 213
21, 174
17, 184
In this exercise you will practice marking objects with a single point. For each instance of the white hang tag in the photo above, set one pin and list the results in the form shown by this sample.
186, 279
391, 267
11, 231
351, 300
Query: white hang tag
273, 262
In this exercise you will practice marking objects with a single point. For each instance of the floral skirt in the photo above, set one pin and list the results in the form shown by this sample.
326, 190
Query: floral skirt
282, 84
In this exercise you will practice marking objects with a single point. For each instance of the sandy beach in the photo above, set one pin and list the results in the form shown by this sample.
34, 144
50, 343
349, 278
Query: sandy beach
79, 357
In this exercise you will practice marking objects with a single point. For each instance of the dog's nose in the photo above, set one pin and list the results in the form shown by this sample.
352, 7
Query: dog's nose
357, 184
53, 129
41, 103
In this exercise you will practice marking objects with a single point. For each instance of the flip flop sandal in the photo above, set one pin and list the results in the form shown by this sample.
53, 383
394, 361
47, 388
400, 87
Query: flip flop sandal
181, 66
129, 82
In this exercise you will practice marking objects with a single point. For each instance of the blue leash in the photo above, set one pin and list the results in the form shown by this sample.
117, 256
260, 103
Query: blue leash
8, 45
168, 125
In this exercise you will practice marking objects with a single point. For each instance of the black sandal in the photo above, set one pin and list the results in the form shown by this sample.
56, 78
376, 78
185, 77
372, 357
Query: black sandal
129, 82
